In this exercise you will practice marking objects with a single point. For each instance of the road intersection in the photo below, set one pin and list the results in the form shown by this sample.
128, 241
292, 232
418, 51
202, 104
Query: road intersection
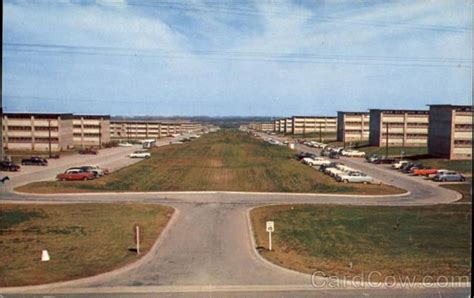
208, 245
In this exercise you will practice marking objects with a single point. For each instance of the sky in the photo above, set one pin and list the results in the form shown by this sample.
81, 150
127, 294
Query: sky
234, 58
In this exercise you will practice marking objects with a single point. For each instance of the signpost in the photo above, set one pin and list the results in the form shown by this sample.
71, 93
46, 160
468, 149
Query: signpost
270, 229
137, 238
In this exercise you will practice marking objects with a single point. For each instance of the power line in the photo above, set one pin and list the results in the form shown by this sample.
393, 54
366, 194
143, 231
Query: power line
78, 100
241, 11
242, 56
251, 12
246, 53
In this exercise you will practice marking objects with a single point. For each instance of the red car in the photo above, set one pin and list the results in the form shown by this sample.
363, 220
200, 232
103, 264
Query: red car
75, 175
425, 171
88, 151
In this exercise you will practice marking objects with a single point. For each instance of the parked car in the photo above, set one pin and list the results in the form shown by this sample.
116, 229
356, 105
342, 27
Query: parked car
35, 161
384, 160
88, 151
98, 172
407, 169
324, 167
325, 152
140, 154
124, 144
371, 158
317, 161
355, 177
449, 176
334, 172
75, 174
9, 166
333, 155
302, 155
352, 153
399, 164
424, 171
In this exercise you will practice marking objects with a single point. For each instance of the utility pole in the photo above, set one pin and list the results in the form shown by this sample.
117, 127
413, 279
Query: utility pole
100, 133
386, 140
320, 133
1, 140
304, 128
49, 137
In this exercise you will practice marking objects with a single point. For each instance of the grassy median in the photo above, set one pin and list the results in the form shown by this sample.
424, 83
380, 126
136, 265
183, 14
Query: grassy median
225, 161
396, 241
82, 239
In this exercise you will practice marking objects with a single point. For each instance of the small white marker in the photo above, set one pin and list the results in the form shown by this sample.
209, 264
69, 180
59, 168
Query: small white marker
44, 256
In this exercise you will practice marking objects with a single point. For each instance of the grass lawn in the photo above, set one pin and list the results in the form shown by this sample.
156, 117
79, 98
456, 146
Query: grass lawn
226, 161
399, 241
82, 239
463, 166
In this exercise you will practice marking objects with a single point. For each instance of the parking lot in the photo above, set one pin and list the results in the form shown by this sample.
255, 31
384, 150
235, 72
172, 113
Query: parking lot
379, 172
108, 158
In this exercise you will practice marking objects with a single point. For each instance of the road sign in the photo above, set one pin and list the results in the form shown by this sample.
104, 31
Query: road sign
137, 237
44, 256
270, 226
270, 229
137, 231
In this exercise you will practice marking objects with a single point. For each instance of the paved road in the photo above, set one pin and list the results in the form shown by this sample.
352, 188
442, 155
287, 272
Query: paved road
208, 250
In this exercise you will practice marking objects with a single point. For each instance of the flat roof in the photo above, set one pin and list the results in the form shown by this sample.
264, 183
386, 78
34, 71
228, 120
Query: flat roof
354, 113
40, 115
451, 106
91, 116
387, 111
313, 116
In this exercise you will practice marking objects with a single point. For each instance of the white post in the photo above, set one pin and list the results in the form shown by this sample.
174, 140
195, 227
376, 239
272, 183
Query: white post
270, 240
138, 238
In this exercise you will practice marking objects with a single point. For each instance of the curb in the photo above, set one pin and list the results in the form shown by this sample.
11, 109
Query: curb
212, 192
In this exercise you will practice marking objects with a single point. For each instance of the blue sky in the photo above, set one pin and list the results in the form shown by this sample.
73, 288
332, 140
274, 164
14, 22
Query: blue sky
228, 58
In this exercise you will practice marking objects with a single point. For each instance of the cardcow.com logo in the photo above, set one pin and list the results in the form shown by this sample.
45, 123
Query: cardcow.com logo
376, 279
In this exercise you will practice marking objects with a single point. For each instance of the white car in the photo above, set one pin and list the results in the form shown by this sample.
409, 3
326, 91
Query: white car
399, 164
352, 153
355, 177
125, 145
100, 171
318, 161
140, 154
308, 161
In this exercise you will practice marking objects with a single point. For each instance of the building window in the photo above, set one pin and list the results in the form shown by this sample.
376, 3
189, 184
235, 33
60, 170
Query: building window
463, 143
46, 128
46, 140
19, 140
19, 128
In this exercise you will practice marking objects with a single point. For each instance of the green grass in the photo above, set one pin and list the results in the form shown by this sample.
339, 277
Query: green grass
400, 241
226, 161
463, 166
82, 239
